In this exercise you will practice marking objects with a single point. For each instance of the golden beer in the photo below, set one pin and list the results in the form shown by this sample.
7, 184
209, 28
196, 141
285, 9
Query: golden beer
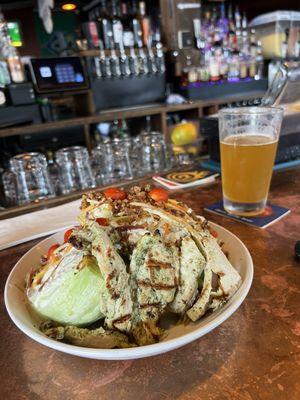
247, 162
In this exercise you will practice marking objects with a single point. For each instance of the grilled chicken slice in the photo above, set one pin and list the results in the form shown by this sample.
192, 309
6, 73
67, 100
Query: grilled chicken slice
218, 267
153, 270
229, 278
202, 302
94, 211
217, 263
192, 264
116, 303
96, 338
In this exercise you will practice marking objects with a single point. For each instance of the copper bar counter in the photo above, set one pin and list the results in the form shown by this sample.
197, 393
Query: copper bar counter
253, 355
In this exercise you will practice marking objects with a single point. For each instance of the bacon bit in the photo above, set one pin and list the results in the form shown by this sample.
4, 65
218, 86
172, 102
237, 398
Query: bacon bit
102, 221
167, 228
109, 252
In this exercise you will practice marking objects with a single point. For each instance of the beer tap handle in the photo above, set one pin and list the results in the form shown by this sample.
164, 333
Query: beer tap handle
105, 61
98, 70
134, 63
143, 58
160, 58
151, 56
114, 61
124, 61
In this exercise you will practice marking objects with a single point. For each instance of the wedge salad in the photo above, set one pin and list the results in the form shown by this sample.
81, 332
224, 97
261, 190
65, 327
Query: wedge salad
135, 257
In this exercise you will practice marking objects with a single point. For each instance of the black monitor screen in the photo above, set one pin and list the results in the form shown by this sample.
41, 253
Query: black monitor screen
64, 73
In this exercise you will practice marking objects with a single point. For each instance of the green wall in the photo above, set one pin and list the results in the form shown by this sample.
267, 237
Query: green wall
63, 35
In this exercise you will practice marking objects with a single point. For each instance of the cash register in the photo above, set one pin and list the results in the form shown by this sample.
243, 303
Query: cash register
284, 92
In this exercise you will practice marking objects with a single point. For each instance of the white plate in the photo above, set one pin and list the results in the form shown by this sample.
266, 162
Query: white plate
178, 335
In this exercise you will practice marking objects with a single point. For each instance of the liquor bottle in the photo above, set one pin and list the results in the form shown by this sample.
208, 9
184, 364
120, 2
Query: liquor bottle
245, 47
125, 17
252, 43
15, 66
217, 41
8, 52
244, 21
204, 72
128, 39
237, 17
224, 60
234, 68
144, 22
243, 70
90, 31
105, 25
245, 37
117, 26
186, 71
223, 24
124, 61
212, 24
5, 42
205, 24
214, 69
230, 20
137, 31
252, 66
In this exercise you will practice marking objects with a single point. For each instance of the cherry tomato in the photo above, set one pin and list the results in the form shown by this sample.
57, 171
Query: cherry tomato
102, 221
67, 235
158, 194
51, 250
115, 193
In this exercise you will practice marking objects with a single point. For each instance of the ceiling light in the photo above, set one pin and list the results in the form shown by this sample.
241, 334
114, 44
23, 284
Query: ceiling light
68, 6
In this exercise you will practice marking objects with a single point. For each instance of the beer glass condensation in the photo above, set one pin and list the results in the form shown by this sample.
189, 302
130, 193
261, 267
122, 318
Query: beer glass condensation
248, 144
